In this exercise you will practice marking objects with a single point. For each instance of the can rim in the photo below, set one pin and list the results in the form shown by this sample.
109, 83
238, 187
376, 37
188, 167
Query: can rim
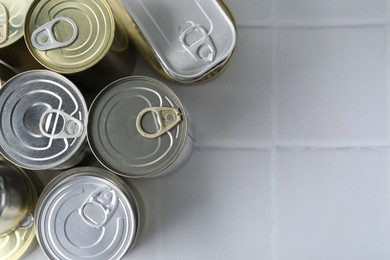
182, 140
92, 172
63, 70
80, 145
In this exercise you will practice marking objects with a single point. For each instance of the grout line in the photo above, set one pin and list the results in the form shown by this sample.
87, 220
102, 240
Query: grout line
297, 148
274, 132
313, 24
387, 48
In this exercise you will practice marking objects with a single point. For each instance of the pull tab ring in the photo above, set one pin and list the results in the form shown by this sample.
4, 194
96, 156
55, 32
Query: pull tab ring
167, 118
73, 127
203, 48
105, 201
43, 38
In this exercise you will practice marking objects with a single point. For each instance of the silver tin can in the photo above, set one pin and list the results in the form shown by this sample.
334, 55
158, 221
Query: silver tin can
139, 128
184, 40
86, 213
17, 202
43, 120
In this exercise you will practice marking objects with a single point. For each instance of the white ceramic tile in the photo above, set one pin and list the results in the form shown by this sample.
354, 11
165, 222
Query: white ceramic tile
216, 207
234, 108
333, 205
331, 85
331, 10
250, 12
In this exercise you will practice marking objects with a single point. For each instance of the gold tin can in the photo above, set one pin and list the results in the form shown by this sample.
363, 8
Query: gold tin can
19, 198
13, 50
12, 16
195, 44
73, 36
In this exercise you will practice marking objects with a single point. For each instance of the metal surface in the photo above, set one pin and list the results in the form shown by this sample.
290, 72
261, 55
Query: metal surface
6, 72
85, 40
18, 198
12, 16
34, 133
123, 113
194, 44
86, 213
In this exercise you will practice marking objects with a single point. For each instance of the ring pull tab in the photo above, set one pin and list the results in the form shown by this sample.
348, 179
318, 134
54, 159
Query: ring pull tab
196, 40
167, 118
97, 210
43, 38
72, 127
3, 23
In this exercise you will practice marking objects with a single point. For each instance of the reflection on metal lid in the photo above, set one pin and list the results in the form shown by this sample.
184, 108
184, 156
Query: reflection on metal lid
42, 118
137, 127
87, 213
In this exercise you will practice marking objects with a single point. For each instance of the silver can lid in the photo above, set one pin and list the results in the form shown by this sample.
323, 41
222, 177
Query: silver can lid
137, 127
197, 38
86, 213
43, 118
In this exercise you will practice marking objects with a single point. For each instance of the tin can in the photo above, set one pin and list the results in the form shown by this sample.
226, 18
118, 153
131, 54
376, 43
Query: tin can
6, 72
13, 50
72, 36
183, 40
139, 128
86, 213
43, 120
12, 16
18, 199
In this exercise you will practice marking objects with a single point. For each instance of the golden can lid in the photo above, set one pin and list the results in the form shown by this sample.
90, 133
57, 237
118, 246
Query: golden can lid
69, 36
12, 16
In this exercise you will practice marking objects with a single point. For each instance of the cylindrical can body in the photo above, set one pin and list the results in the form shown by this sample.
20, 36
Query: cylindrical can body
17, 203
139, 128
43, 120
6, 72
195, 44
101, 216
74, 36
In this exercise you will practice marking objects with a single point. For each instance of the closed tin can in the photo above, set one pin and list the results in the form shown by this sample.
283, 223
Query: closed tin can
6, 72
12, 16
184, 40
17, 203
43, 120
13, 50
72, 36
139, 128
86, 213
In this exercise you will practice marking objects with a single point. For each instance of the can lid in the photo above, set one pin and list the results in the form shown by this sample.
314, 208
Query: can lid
137, 127
69, 36
86, 213
12, 16
196, 39
17, 243
43, 118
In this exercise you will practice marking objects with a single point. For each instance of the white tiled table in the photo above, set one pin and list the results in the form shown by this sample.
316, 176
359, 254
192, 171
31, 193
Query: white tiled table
292, 156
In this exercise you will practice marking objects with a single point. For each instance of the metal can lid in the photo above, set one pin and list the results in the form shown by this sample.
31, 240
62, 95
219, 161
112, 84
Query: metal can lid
86, 213
137, 127
17, 243
198, 38
12, 16
69, 36
43, 120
